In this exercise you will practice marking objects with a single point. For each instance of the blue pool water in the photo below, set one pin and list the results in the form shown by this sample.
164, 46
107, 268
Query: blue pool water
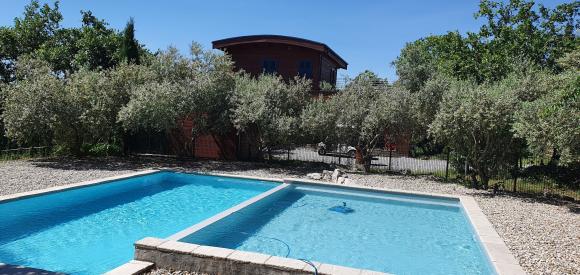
398, 234
92, 230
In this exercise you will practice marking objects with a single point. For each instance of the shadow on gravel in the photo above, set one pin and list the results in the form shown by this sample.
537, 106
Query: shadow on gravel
150, 162
573, 206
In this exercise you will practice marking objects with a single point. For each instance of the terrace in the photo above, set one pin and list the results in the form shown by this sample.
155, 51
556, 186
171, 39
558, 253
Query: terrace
543, 240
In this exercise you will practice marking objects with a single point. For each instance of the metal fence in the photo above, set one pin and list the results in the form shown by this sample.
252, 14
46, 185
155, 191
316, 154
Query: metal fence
28, 152
444, 166
440, 166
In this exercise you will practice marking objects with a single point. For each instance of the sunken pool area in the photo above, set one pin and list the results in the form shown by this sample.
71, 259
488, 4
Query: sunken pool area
227, 224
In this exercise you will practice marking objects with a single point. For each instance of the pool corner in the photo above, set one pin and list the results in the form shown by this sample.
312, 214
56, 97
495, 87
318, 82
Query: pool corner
497, 251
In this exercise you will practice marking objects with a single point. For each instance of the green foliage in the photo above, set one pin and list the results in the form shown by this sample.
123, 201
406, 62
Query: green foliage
38, 25
517, 30
326, 87
130, 46
92, 46
101, 149
268, 108
42, 108
487, 94
522, 29
570, 61
29, 110
359, 115
173, 88
475, 122
98, 45
421, 60
551, 123
90, 110
426, 101
153, 106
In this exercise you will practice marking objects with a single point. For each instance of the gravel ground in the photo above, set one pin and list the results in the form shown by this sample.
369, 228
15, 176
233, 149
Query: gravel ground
543, 235
173, 272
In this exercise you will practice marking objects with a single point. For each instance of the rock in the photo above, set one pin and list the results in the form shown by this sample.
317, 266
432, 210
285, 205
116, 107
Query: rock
348, 181
314, 176
335, 175
326, 175
340, 180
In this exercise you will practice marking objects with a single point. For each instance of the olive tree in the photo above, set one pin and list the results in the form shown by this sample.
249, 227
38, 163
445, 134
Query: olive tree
476, 122
359, 115
550, 124
153, 106
30, 103
268, 109
175, 87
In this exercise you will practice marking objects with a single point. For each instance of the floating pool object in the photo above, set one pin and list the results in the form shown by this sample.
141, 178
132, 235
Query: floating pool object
341, 208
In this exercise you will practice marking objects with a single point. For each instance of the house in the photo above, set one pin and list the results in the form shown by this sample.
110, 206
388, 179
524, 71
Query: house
256, 54
284, 55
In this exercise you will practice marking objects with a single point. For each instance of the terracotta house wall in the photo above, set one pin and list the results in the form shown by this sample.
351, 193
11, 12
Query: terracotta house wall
179, 139
250, 58
207, 147
400, 144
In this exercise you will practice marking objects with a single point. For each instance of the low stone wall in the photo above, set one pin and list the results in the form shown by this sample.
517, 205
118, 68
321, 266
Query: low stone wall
215, 260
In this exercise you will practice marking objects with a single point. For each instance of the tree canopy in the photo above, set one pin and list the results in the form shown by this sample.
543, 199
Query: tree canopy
513, 31
502, 92
38, 33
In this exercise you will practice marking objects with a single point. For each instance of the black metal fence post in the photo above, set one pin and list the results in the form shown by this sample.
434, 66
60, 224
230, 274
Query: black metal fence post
447, 166
390, 157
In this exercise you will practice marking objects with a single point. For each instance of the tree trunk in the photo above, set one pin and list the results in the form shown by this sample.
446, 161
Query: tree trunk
555, 158
474, 183
76, 147
362, 160
484, 178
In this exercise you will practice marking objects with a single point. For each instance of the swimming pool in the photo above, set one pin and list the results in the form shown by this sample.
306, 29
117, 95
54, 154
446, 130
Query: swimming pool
92, 229
393, 233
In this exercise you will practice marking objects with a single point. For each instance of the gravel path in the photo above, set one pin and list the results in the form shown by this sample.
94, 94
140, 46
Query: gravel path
543, 235
22, 176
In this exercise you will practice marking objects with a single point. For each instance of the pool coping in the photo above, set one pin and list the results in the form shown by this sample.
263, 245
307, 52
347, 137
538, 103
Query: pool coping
226, 213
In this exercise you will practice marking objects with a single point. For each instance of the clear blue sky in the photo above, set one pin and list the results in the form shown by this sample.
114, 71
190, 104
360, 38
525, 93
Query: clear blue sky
367, 34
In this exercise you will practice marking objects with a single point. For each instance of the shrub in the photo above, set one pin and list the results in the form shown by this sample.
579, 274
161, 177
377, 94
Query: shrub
102, 149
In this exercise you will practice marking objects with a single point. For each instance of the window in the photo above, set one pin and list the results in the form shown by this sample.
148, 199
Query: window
305, 69
270, 66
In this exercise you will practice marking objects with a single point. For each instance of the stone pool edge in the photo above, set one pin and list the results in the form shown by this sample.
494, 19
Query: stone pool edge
66, 187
